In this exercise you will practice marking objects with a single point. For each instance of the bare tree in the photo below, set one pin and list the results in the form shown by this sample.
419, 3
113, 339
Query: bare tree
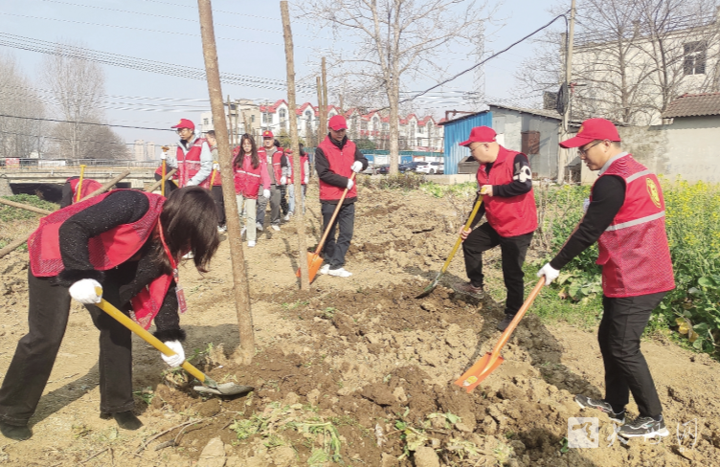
25, 136
77, 87
632, 57
397, 40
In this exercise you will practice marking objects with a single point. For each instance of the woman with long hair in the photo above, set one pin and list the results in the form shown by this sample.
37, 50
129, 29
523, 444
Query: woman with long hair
128, 244
250, 171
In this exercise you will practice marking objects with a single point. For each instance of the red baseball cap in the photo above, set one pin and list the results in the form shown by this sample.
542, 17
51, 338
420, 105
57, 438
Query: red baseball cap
337, 123
480, 134
268, 134
185, 123
591, 130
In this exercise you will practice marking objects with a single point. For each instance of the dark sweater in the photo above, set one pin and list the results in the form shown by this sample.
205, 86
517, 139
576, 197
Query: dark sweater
118, 208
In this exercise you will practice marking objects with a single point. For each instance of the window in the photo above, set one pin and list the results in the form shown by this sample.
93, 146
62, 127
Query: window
530, 142
252, 118
694, 58
206, 121
282, 114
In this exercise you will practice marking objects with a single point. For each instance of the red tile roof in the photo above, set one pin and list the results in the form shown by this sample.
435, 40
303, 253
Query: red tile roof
694, 105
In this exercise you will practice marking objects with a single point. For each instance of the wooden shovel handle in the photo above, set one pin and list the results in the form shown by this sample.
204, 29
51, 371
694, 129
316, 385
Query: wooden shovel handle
474, 212
332, 219
516, 320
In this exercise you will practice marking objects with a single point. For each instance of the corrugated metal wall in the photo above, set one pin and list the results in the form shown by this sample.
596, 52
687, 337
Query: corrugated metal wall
457, 132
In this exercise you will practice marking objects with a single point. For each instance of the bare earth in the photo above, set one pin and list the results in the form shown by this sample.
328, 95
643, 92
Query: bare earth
361, 355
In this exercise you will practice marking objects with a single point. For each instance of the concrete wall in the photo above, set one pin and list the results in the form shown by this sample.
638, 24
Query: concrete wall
688, 148
511, 123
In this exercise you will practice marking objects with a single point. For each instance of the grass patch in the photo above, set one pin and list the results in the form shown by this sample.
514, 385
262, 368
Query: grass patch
10, 214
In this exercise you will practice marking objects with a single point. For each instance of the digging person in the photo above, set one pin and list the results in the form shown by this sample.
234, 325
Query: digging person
505, 182
336, 158
626, 216
129, 243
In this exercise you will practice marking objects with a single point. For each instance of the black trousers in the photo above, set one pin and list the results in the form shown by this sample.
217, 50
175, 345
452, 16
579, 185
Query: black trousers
626, 371
220, 203
35, 354
170, 186
334, 250
513, 250
284, 206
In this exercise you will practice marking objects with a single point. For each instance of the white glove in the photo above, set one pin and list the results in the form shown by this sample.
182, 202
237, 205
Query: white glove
350, 184
177, 359
266, 193
283, 180
305, 181
549, 272
84, 291
356, 167
216, 167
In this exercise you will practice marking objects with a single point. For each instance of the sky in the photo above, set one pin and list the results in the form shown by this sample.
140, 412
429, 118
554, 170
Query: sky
250, 42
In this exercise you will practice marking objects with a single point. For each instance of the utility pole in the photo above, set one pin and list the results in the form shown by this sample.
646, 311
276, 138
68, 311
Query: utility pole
321, 107
324, 121
299, 202
564, 153
241, 289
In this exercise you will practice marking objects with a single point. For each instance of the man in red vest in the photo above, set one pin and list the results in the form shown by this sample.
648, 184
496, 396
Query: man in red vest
194, 159
505, 182
626, 216
336, 158
277, 165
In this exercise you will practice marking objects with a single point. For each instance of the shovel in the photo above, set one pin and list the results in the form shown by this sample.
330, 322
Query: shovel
426, 291
486, 365
210, 385
314, 259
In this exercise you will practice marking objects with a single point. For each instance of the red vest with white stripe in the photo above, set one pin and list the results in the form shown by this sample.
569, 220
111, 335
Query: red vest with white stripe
107, 250
634, 251
248, 178
215, 174
303, 160
277, 164
340, 162
512, 216
189, 163
88, 186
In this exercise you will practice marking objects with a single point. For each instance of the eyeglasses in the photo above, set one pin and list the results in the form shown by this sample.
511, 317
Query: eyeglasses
583, 152
180, 130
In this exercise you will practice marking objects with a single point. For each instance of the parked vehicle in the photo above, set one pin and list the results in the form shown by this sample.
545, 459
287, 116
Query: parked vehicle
409, 167
382, 169
430, 168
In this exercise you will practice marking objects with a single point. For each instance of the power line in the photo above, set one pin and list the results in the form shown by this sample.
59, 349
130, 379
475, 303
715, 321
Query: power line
3, 132
85, 123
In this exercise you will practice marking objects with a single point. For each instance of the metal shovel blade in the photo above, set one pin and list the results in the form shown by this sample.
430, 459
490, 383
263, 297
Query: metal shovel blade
478, 372
225, 389
427, 290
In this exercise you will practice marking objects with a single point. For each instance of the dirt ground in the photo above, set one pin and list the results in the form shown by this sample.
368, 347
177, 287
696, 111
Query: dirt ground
358, 371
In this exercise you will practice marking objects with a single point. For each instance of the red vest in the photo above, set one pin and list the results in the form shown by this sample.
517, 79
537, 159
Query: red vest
634, 251
511, 216
303, 160
88, 186
277, 164
248, 178
107, 250
340, 162
217, 180
189, 164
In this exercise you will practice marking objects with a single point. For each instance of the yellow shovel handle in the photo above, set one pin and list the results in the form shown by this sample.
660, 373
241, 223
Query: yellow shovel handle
162, 186
474, 212
108, 308
79, 185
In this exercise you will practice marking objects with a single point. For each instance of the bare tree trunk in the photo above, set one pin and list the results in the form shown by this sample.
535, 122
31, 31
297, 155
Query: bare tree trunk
246, 350
299, 215
324, 121
321, 106
393, 99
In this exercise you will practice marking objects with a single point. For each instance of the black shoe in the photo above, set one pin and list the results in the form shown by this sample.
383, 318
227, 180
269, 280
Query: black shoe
502, 325
468, 289
125, 420
18, 433
647, 427
587, 403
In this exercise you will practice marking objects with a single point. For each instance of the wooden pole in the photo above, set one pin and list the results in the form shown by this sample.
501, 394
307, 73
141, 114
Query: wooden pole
563, 154
236, 135
27, 207
325, 98
320, 130
100, 190
246, 350
299, 215
160, 183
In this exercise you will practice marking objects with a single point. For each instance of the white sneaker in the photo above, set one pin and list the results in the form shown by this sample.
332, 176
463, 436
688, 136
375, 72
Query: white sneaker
275, 227
189, 255
251, 243
339, 272
242, 232
324, 269
287, 216
222, 228
259, 226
